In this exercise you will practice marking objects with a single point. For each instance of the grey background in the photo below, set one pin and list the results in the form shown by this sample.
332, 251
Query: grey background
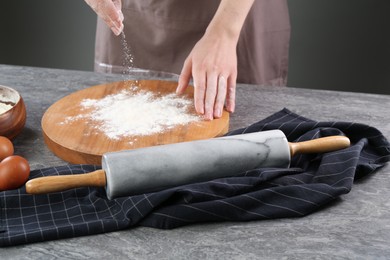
336, 45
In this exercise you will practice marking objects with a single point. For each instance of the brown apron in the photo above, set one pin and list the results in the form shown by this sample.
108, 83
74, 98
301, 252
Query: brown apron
161, 34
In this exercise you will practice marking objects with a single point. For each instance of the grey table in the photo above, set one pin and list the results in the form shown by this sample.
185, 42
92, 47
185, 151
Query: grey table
357, 226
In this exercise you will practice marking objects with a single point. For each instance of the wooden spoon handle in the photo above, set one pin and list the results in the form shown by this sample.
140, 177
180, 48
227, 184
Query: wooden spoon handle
320, 145
50, 184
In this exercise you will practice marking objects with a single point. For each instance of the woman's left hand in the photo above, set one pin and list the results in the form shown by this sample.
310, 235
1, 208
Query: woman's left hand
212, 64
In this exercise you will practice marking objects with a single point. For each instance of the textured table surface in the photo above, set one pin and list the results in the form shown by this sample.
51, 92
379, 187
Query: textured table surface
357, 226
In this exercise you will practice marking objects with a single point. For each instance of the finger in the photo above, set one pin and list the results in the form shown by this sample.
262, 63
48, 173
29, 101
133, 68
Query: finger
231, 94
118, 5
199, 91
115, 27
114, 17
107, 11
221, 96
116, 30
185, 76
211, 93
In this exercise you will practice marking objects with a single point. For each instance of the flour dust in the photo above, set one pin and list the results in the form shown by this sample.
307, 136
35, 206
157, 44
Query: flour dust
128, 59
134, 113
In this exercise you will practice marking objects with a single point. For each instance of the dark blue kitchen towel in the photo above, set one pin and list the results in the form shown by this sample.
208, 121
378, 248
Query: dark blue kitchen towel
311, 182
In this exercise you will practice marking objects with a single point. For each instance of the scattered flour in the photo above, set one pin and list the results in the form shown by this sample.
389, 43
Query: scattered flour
128, 58
130, 113
128, 62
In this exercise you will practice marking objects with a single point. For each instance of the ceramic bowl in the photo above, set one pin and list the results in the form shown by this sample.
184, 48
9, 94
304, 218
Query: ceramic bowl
12, 112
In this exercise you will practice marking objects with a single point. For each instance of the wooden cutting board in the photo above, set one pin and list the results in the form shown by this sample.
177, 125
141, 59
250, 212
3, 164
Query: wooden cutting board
81, 142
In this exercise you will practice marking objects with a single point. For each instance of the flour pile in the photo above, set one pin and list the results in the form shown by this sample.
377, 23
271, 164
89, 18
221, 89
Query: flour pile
142, 113
4, 107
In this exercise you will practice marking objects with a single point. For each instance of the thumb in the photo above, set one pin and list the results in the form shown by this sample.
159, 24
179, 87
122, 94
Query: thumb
118, 5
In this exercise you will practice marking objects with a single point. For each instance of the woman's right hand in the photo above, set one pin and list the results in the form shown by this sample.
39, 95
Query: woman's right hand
111, 13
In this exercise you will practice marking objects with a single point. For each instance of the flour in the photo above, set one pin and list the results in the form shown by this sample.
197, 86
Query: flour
4, 107
135, 113
128, 59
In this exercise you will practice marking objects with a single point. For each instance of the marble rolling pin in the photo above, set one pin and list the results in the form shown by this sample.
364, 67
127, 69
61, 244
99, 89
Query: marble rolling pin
144, 170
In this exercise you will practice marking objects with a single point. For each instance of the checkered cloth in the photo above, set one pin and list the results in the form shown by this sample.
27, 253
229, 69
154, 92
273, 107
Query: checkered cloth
311, 182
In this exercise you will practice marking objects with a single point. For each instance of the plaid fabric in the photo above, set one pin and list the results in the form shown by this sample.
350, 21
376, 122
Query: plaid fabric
311, 182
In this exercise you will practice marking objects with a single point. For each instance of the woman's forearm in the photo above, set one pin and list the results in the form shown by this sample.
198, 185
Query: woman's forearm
230, 17
212, 62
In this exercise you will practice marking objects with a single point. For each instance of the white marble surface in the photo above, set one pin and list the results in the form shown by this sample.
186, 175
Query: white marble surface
356, 226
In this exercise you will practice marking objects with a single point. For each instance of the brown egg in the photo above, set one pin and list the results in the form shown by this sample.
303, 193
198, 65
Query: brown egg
14, 172
6, 148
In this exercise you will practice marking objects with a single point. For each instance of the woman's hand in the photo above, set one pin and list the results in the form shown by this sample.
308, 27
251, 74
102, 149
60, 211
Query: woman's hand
212, 63
110, 11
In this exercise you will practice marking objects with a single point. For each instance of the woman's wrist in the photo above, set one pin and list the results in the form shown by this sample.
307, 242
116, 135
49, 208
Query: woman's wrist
229, 18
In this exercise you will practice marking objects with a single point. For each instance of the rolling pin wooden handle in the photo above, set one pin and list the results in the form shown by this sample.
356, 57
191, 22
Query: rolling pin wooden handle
320, 145
50, 184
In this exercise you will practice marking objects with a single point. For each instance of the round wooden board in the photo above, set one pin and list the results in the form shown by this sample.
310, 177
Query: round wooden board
80, 142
